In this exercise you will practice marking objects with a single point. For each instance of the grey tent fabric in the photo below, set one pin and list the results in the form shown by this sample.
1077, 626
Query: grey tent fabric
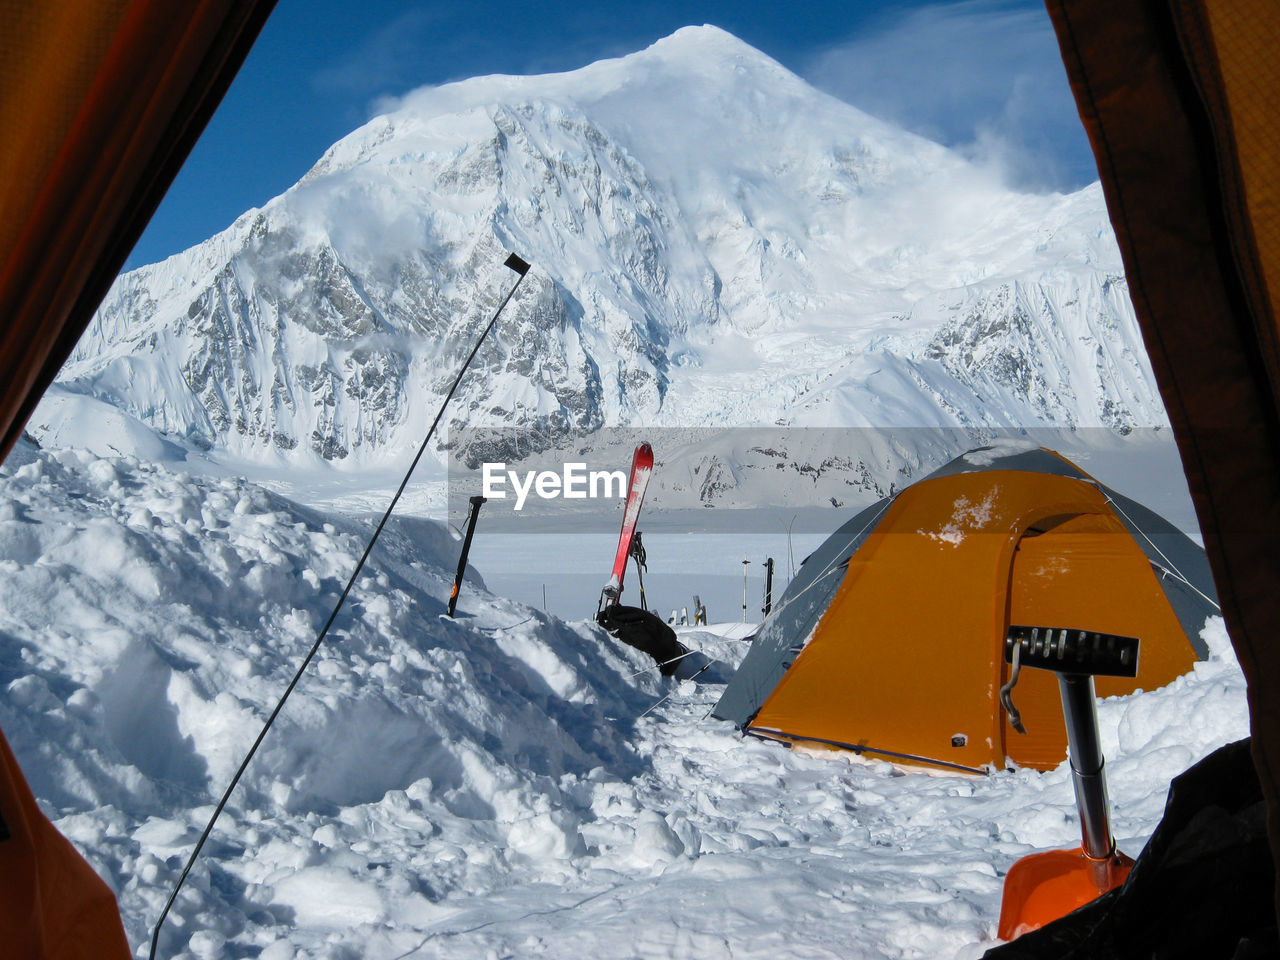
1180, 564
794, 617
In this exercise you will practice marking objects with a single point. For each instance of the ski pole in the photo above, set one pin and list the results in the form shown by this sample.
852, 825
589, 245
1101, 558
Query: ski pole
466, 549
637, 552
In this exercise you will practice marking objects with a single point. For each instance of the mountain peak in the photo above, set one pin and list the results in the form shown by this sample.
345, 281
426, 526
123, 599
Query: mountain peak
706, 40
698, 54
704, 224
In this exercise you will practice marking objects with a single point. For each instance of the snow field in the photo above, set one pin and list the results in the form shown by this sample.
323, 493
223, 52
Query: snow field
140, 668
501, 785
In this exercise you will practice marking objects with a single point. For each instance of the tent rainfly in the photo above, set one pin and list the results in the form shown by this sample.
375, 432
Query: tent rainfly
890, 639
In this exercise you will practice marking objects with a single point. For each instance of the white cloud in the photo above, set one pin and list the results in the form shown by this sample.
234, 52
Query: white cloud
983, 76
390, 58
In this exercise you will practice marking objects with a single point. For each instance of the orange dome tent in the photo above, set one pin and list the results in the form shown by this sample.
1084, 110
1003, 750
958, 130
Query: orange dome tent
890, 641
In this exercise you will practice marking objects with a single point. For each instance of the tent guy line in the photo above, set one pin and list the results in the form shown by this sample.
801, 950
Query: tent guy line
521, 268
660, 702
833, 565
661, 664
1172, 568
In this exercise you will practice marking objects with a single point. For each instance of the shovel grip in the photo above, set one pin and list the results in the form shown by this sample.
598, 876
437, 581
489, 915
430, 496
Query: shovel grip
1067, 650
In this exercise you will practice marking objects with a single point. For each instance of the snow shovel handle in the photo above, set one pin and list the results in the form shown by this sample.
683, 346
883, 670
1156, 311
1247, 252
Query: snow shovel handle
1088, 775
1075, 656
1041, 887
1067, 650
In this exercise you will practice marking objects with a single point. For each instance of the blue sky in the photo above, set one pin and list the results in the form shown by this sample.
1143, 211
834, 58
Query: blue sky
983, 76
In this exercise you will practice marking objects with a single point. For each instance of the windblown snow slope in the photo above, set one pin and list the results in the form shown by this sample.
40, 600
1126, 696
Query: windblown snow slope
503, 784
715, 243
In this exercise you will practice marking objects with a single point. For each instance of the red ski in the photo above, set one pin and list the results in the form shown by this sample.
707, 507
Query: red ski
641, 467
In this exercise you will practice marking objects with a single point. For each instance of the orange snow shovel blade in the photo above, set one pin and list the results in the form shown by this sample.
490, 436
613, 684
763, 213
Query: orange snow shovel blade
1045, 886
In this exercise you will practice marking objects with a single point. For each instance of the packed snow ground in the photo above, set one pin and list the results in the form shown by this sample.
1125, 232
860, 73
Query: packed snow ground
502, 785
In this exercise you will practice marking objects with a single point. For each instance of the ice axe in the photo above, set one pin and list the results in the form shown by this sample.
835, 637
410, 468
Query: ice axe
466, 550
1041, 887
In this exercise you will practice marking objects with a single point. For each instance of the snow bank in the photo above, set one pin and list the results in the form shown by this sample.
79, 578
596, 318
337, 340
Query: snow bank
149, 621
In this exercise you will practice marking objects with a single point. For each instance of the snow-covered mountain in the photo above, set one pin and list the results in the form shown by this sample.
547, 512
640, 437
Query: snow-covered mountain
714, 243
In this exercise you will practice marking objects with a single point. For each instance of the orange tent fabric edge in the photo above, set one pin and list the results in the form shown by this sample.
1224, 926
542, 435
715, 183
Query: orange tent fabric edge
53, 905
135, 125
1167, 164
73, 247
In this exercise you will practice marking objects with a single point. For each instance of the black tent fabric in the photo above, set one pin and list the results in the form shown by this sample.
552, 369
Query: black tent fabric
1201, 888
